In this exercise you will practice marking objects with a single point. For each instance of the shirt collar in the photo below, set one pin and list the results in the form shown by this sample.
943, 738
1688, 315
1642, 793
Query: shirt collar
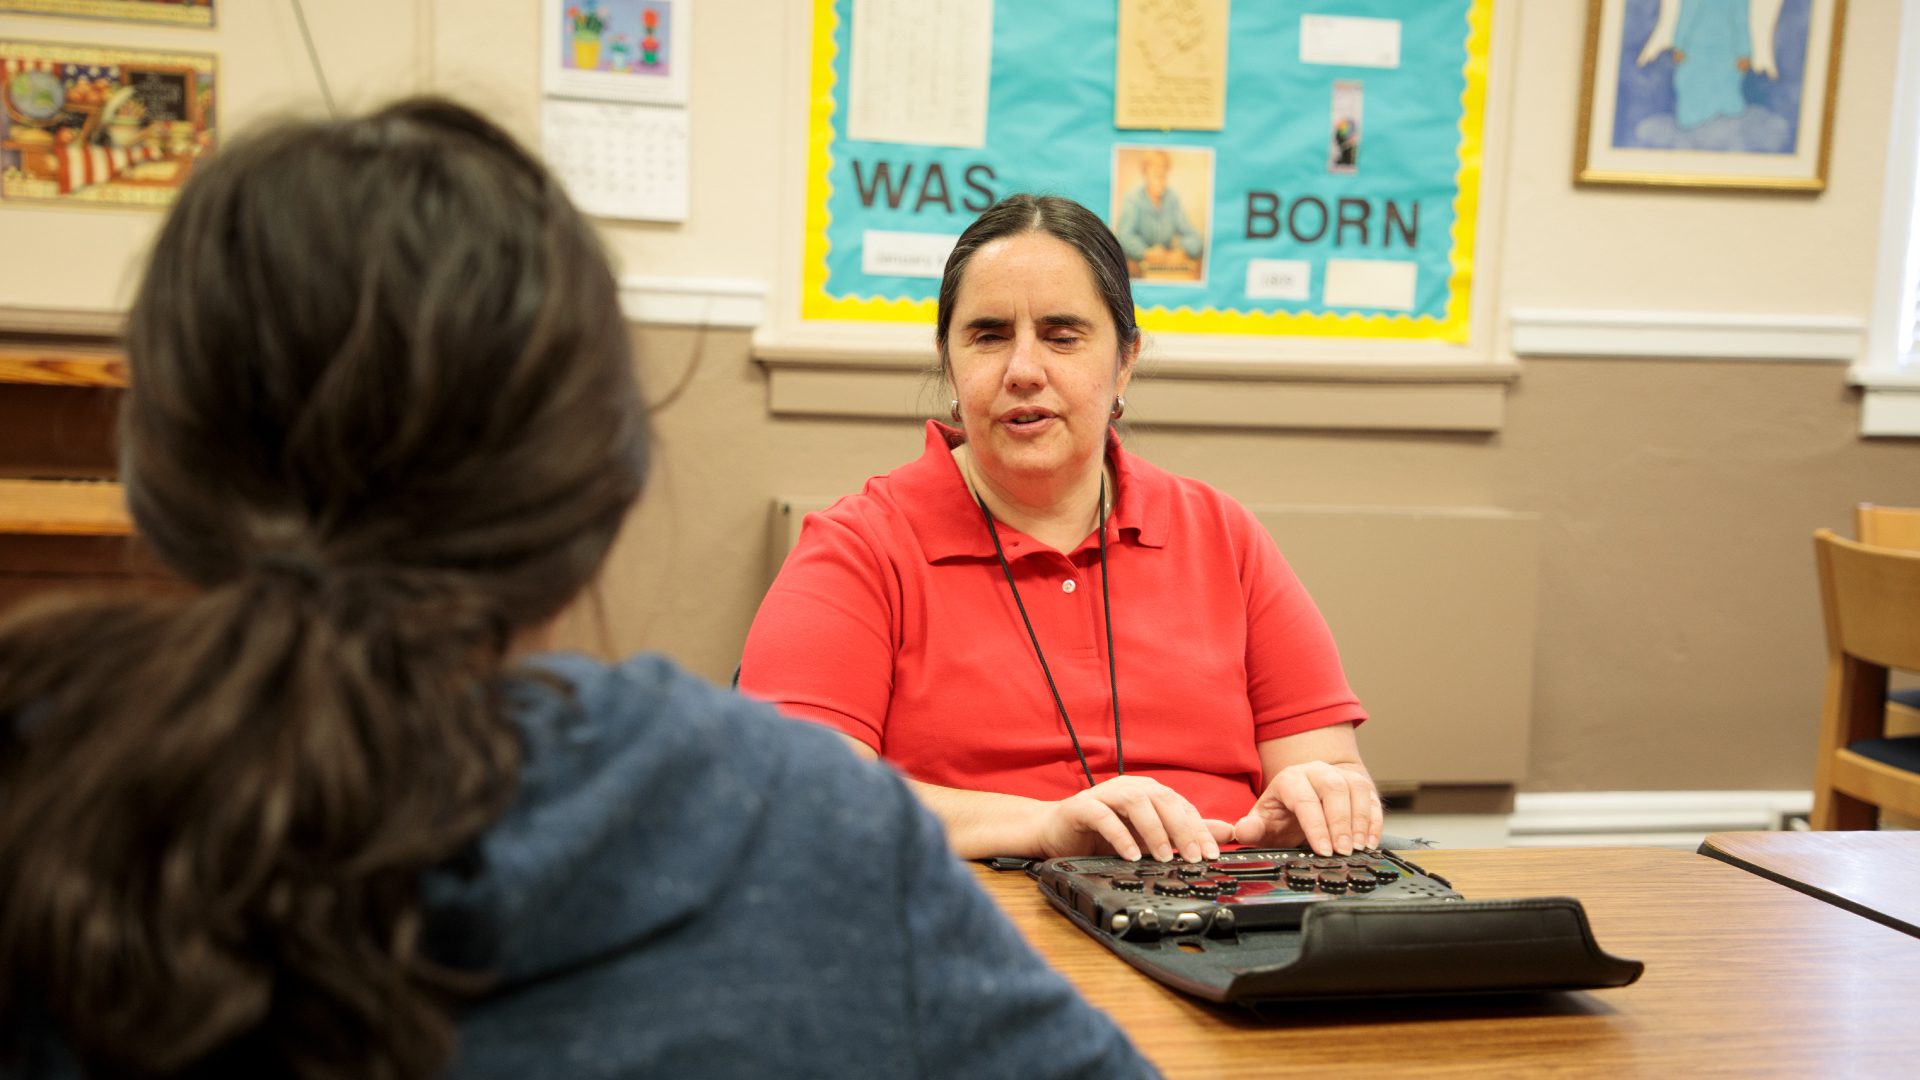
934, 498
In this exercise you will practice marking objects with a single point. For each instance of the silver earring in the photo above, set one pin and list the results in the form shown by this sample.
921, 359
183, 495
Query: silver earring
1119, 407
953, 409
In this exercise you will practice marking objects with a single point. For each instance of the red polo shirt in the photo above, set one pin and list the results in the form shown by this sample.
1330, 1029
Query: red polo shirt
892, 622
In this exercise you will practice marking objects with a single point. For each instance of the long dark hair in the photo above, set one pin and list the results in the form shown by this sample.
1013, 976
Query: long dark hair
382, 414
1064, 220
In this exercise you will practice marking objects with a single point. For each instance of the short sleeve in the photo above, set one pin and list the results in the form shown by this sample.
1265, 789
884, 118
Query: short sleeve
1294, 679
822, 644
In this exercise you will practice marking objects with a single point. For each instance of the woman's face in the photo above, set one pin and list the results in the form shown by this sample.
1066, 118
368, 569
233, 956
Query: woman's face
1153, 172
1035, 361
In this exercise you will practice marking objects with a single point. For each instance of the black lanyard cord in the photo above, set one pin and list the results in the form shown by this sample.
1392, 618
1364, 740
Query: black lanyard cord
1106, 604
1106, 610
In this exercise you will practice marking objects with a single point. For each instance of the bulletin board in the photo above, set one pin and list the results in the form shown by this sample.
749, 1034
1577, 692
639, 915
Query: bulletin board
1271, 168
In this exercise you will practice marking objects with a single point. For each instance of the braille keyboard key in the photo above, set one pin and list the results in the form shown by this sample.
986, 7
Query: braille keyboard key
1172, 887
1127, 884
1204, 887
1245, 866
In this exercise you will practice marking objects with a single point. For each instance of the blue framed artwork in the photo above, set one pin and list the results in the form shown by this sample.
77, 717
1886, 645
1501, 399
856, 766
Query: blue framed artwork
1709, 93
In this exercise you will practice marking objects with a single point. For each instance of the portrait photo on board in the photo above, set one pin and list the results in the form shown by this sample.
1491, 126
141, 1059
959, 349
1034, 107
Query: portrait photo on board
1162, 211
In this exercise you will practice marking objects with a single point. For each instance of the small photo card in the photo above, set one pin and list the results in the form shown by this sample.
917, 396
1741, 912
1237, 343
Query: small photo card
1343, 136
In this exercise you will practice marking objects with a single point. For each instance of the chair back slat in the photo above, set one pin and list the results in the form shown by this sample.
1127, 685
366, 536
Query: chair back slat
1872, 601
1887, 526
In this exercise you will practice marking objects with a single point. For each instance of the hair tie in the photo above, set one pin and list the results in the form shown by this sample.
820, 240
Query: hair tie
289, 564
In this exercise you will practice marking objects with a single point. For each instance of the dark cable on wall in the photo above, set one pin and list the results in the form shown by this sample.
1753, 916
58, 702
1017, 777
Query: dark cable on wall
313, 55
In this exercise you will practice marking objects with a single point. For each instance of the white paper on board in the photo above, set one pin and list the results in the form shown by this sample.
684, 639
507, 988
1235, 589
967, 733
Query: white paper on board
905, 254
919, 71
1370, 283
1279, 279
1349, 41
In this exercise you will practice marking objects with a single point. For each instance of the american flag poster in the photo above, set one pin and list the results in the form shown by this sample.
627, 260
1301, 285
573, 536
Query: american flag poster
81, 125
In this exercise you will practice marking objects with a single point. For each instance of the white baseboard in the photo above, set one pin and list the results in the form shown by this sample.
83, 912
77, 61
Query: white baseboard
1679, 819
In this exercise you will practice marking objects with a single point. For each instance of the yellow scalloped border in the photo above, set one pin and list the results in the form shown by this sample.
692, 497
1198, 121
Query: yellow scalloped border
816, 303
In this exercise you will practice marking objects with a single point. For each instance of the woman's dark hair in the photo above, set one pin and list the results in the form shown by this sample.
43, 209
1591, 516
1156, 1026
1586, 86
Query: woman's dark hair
1062, 219
382, 414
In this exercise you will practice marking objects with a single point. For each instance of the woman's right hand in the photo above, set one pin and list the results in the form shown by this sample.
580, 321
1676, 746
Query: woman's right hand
1130, 816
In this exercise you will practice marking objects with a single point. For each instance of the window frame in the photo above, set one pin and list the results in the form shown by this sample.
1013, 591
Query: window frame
1889, 372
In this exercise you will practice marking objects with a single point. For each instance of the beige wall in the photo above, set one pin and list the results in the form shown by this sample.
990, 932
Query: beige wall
1678, 637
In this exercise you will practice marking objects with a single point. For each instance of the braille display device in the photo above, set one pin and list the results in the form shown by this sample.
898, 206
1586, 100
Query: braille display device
1263, 924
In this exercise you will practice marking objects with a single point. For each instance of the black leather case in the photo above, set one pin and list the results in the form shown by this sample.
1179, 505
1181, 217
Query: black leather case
1412, 936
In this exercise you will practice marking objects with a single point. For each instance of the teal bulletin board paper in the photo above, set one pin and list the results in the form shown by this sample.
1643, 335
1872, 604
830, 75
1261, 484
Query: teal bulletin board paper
1408, 202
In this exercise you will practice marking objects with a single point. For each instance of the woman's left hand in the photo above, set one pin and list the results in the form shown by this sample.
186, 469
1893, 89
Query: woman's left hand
1332, 808
1318, 792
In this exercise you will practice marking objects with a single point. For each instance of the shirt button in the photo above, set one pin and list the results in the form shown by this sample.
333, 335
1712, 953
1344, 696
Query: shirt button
1068, 585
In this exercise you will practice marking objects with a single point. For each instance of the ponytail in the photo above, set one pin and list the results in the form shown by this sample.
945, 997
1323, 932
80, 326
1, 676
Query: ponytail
382, 413
214, 812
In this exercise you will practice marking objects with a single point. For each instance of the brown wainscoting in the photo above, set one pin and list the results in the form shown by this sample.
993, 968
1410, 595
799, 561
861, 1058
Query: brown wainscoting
63, 524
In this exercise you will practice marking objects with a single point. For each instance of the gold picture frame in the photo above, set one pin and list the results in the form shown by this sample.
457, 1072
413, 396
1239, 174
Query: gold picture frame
1754, 111
194, 13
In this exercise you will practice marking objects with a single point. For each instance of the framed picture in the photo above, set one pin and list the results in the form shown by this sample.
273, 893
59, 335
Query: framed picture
174, 12
1162, 202
82, 125
1709, 93
617, 50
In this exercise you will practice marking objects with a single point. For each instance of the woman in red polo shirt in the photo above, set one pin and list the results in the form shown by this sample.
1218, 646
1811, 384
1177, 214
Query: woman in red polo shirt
1064, 648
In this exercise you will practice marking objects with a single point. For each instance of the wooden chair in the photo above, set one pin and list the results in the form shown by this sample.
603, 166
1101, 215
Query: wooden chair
1871, 596
1893, 527
1887, 526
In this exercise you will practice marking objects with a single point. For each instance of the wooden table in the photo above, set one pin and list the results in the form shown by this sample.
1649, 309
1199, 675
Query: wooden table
1875, 874
1744, 978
